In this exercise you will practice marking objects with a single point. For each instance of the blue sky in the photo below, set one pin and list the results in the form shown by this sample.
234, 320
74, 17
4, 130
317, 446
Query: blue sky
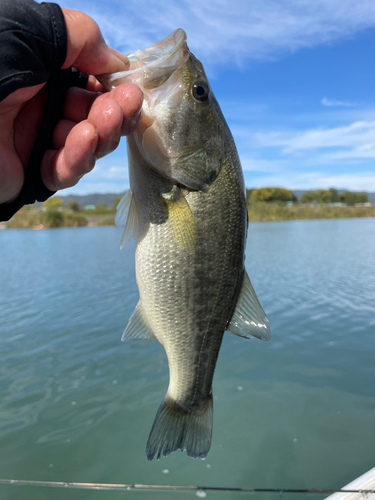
295, 80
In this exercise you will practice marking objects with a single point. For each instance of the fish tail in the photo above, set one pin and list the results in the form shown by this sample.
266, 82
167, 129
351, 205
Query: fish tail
175, 428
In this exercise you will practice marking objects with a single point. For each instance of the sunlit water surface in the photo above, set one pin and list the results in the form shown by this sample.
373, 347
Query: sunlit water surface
77, 404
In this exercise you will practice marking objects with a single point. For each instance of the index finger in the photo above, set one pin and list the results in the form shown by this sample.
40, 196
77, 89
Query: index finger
86, 48
79, 102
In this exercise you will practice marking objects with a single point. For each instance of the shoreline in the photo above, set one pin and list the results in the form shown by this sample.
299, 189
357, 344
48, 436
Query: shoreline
260, 212
272, 212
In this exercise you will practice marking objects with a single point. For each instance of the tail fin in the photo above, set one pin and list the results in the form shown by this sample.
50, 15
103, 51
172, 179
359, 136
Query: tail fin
174, 428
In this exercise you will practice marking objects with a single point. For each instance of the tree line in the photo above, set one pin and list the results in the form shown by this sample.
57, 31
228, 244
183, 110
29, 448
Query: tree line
319, 196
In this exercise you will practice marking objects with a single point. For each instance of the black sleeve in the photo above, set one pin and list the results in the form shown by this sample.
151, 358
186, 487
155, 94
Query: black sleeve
33, 47
33, 43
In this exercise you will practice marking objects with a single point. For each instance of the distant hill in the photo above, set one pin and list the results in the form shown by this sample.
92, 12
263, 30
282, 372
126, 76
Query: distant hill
91, 199
109, 198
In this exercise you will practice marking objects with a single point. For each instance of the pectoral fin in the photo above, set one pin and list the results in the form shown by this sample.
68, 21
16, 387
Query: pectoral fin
137, 327
127, 217
248, 317
181, 218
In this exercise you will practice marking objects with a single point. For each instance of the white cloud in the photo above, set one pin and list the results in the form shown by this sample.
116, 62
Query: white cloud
230, 30
331, 103
356, 140
313, 158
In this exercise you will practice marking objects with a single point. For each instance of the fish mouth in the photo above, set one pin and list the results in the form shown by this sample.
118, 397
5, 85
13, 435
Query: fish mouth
151, 67
159, 70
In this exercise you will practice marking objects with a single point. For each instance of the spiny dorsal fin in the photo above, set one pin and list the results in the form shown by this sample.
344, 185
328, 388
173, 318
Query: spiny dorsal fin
137, 327
248, 317
181, 218
127, 217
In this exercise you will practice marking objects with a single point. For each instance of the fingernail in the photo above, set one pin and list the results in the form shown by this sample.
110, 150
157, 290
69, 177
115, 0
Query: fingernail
122, 58
134, 120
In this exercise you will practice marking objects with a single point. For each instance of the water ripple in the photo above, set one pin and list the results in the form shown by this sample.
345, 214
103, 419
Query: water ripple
73, 395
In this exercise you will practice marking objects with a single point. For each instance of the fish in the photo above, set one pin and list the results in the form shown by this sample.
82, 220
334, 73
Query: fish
186, 210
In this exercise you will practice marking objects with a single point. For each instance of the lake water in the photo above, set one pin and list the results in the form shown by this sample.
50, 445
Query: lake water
77, 404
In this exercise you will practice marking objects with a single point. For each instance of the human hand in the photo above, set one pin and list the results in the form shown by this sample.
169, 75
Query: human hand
93, 120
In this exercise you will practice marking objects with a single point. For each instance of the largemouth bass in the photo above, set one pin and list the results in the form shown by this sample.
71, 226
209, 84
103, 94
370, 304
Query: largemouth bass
186, 210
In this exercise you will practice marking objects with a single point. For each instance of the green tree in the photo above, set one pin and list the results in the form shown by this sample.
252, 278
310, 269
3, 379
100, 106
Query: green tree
335, 197
362, 198
248, 195
271, 194
323, 196
308, 197
74, 206
101, 207
54, 203
351, 198
53, 218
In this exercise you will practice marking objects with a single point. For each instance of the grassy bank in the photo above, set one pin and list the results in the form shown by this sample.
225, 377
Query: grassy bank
261, 212
258, 212
101, 220
31, 218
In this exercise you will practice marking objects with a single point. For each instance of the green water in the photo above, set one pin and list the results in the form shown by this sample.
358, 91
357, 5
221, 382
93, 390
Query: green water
77, 404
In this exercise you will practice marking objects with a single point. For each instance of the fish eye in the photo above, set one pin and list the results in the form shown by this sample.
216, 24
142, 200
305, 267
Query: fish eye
200, 91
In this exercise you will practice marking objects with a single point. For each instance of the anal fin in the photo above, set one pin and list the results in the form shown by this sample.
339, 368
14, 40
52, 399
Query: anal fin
137, 327
248, 317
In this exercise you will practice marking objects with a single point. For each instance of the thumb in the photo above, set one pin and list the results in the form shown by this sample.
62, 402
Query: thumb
87, 50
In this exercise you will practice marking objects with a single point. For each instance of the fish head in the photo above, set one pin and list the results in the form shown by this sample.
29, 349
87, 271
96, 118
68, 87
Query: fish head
179, 132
